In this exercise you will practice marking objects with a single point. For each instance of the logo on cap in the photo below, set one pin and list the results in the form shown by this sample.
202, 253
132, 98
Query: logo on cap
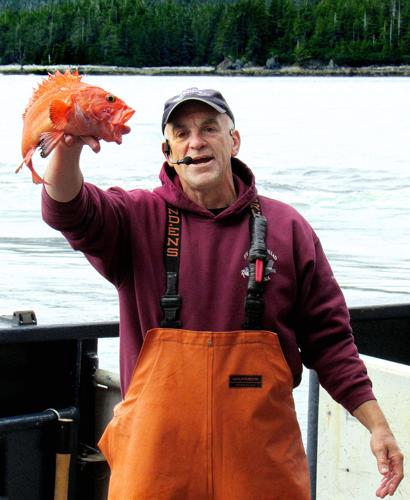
194, 90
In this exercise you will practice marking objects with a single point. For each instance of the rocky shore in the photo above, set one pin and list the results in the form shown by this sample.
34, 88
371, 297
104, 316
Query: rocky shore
14, 69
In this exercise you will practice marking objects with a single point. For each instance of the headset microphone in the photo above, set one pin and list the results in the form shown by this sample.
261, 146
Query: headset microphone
167, 151
187, 161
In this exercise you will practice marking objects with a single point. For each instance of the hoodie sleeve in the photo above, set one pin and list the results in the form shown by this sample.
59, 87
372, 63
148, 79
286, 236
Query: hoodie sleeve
324, 332
94, 222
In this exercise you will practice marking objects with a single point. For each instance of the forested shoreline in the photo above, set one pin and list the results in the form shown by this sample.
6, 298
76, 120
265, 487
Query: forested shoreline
293, 70
229, 35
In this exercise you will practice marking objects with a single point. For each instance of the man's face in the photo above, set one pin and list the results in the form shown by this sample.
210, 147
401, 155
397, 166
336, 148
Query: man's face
199, 131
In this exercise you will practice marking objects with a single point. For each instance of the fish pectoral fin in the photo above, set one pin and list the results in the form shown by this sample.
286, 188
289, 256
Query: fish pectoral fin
58, 113
48, 141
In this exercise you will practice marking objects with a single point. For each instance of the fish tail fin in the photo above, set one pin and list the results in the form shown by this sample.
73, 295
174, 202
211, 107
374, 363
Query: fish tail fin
37, 179
29, 162
27, 159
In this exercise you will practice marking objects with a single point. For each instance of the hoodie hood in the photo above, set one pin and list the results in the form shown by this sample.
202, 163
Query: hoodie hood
244, 180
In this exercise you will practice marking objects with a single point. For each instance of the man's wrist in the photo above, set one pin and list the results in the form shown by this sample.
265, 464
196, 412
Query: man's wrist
371, 416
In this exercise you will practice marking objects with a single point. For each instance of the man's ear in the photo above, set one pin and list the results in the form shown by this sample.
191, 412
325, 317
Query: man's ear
166, 151
236, 142
166, 148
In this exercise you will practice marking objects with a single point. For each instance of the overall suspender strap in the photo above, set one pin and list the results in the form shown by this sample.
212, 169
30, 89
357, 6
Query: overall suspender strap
258, 256
171, 300
254, 305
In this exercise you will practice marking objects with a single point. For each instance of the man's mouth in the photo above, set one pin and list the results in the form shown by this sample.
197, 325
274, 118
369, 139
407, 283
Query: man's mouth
201, 159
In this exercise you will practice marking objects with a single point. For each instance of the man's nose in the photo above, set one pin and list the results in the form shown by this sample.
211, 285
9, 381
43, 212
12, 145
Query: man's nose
196, 140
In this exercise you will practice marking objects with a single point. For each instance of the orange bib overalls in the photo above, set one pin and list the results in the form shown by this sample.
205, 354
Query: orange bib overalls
207, 416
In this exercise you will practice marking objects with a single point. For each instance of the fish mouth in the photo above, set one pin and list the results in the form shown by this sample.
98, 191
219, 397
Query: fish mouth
127, 114
122, 116
200, 160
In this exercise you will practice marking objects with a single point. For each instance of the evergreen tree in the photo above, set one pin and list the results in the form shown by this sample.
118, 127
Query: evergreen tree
191, 32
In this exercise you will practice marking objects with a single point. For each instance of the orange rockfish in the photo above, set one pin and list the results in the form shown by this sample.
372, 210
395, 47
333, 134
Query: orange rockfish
63, 104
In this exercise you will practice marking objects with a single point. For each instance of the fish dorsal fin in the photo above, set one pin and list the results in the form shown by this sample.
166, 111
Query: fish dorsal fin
53, 82
58, 114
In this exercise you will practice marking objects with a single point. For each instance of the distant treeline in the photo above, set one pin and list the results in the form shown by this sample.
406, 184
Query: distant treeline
184, 33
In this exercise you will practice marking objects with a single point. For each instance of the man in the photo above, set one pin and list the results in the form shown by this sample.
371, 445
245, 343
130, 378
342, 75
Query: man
222, 295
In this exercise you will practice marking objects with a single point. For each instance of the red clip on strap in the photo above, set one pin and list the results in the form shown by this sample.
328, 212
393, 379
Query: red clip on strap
258, 270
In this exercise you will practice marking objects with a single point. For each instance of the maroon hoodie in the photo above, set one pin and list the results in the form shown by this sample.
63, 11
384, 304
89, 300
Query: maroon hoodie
122, 235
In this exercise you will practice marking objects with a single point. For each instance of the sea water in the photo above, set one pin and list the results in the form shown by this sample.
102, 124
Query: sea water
334, 148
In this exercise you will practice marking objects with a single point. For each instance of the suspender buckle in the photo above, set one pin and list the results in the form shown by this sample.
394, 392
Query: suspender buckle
171, 302
254, 308
254, 305
170, 305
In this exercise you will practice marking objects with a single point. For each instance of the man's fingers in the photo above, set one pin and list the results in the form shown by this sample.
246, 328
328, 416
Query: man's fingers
382, 490
69, 139
392, 478
382, 461
89, 140
397, 473
389, 462
388, 486
382, 464
92, 142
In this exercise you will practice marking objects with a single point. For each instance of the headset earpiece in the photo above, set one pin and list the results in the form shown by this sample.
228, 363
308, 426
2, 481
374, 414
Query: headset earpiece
166, 148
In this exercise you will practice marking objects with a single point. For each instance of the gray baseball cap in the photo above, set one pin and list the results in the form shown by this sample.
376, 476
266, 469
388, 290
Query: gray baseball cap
209, 96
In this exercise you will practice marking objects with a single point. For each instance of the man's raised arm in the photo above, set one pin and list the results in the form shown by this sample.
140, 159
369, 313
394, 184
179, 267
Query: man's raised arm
63, 176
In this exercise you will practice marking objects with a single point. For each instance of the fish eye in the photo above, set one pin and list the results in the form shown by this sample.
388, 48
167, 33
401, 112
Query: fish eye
110, 98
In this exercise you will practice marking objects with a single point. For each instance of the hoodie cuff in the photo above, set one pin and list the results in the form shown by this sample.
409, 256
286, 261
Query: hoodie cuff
62, 215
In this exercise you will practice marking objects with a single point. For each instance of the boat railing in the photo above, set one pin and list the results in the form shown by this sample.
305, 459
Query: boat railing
50, 374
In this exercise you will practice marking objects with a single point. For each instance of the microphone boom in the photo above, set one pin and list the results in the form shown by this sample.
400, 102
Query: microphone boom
187, 161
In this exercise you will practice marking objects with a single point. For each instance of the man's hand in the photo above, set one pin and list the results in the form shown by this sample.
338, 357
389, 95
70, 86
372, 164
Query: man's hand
389, 461
384, 447
92, 142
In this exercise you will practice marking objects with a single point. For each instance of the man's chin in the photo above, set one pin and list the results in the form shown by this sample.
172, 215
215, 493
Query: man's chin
200, 181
